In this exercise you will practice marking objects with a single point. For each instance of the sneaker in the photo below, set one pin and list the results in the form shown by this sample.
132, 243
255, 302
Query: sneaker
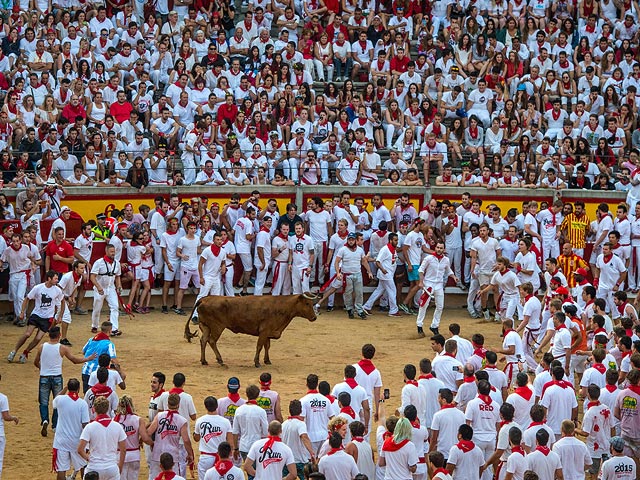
316, 309
486, 314
165, 309
461, 286
384, 308
23, 358
194, 320
80, 311
434, 330
179, 311
116, 333
421, 332
174, 309
66, 342
43, 430
94, 330
404, 308
366, 312
397, 314
21, 323
11, 356
362, 315
350, 313
330, 308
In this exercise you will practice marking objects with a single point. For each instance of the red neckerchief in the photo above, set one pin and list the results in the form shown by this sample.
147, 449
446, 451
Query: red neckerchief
161, 212
101, 336
234, 397
611, 388
270, 441
100, 390
525, 392
470, 379
252, 402
167, 475
367, 366
216, 251
157, 394
473, 132
426, 376
517, 449
103, 420
223, 466
465, 445
480, 352
334, 450
349, 411
560, 327
485, 398
441, 470
593, 404
73, 395
16, 249
351, 382
265, 385
535, 424
447, 405
176, 390
411, 382
390, 446
599, 367
543, 449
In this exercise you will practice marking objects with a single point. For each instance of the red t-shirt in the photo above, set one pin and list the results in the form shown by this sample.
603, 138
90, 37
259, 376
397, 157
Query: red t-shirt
121, 112
64, 250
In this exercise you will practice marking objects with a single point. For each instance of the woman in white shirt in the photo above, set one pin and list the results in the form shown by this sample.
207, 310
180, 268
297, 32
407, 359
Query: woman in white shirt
399, 454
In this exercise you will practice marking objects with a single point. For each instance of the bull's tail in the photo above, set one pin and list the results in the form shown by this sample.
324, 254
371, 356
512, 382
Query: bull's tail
187, 331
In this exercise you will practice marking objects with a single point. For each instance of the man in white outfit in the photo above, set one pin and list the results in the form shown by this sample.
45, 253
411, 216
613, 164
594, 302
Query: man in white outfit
262, 255
386, 267
211, 268
105, 277
434, 271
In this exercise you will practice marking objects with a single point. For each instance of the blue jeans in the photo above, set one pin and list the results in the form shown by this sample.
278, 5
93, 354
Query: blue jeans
342, 69
49, 385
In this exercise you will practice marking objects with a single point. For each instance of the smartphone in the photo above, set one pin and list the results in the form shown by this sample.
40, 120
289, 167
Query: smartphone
385, 394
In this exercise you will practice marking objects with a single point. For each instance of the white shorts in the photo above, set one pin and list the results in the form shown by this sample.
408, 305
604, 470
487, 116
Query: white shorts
484, 278
578, 363
188, 275
63, 459
170, 276
247, 261
139, 273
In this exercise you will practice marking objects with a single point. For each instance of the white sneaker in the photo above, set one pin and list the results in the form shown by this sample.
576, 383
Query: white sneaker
11, 356
23, 358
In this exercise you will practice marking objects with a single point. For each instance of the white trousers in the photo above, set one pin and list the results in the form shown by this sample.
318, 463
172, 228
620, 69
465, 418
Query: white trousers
261, 278
299, 279
386, 288
157, 261
228, 282
508, 305
550, 249
607, 294
438, 297
212, 286
17, 290
291, 167
281, 279
318, 261
633, 275
455, 259
130, 470
112, 301
111, 473
320, 70
205, 462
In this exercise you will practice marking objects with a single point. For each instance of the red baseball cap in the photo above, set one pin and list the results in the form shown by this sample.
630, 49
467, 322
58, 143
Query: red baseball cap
580, 271
561, 291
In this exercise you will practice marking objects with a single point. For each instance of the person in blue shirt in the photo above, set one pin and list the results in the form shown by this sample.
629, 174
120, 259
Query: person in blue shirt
99, 344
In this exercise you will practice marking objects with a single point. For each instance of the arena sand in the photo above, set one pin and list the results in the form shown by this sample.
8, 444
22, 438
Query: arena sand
155, 342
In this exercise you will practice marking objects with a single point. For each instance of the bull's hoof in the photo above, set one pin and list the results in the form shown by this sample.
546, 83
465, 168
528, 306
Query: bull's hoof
267, 362
257, 364
204, 362
220, 362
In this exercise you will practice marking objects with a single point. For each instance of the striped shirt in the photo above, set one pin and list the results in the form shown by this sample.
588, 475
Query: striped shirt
576, 228
569, 264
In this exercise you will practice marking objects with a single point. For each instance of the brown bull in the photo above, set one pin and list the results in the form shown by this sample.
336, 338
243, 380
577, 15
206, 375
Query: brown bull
265, 317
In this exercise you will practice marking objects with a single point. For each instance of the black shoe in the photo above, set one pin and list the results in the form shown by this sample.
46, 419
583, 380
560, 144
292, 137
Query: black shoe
421, 332
350, 313
434, 331
165, 309
330, 308
66, 342
383, 309
362, 315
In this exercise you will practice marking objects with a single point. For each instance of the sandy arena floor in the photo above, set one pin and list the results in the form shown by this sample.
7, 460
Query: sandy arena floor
155, 342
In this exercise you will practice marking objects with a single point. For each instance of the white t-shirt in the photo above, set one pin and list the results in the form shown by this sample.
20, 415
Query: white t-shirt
446, 422
112, 382
250, 422
103, 444
618, 468
318, 225
47, 299
467, 465
486, 254
443, 367
270, 462
414, 240
213, 431
243, 227
72, 414
544, 465
358, 395
398, 462
189, 247
574, 456
292, 430
483, 417
559, 402
338, 466
316, 410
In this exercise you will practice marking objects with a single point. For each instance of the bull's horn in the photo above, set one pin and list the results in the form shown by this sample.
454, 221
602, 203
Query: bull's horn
309, 295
